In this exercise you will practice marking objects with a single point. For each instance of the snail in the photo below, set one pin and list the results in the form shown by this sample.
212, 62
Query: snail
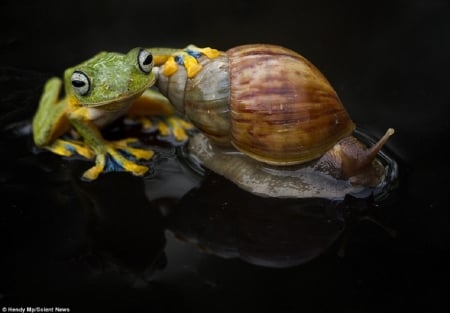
272, 123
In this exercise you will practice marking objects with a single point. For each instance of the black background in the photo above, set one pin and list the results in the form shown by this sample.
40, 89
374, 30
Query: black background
388, 61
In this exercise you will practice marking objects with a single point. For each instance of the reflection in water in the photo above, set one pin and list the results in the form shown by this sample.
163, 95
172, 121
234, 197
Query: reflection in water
125, 228
226, 221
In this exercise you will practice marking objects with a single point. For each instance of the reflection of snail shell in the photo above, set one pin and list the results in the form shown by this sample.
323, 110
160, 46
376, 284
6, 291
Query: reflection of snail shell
227, 222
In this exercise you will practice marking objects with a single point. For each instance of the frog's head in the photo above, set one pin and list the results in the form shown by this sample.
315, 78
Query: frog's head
111, 80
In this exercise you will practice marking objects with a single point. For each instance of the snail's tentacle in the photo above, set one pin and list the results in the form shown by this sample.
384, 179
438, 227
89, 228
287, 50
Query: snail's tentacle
373, 151
356, 158
351, 160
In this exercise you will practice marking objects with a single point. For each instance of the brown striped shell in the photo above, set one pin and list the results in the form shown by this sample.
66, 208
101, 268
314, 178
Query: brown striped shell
268, 101
283, 110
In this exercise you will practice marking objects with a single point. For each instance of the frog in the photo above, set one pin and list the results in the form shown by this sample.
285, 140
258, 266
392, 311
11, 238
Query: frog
97, 92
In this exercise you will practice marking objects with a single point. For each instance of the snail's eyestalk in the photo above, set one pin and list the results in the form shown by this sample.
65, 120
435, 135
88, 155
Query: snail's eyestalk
350, 159
355, 159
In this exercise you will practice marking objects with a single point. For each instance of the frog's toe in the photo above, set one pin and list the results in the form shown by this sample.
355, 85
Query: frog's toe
116, 162
189, 62
98, 168
180, 128
124, 146
113, 161
174, 129
207, 51
148, 124
189, 59
69, 147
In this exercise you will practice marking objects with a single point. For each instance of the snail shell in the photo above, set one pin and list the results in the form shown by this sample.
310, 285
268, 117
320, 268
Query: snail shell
267, 101
287, 113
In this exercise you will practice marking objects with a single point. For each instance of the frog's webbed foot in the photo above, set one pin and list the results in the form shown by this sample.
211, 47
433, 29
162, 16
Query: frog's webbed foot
188, 57
118, 156
174, 129
171, 128
155, 113
67, 147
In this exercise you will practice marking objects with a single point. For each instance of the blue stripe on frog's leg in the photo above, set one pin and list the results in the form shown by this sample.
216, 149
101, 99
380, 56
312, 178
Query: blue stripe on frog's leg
119, 157
195, 53
105, 150
67, 147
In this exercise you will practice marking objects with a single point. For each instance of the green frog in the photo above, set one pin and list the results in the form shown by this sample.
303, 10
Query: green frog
97, 92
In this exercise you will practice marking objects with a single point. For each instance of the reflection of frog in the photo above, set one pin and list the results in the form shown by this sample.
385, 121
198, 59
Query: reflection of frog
99, 91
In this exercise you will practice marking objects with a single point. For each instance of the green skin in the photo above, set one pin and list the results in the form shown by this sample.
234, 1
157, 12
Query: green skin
115, 82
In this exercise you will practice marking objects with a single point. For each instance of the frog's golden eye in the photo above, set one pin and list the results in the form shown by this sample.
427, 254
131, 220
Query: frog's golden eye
145, 61
80, 83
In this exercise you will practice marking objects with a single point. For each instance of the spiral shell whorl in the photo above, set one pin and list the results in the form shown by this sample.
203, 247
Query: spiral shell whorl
283, 110
207, 99
203, 99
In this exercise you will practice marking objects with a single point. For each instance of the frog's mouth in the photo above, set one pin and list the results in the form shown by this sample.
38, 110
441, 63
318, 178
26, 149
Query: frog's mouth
120, 103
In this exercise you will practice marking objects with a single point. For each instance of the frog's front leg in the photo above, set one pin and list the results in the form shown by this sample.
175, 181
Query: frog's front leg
110, 155
170, 126
51, 121
188, 57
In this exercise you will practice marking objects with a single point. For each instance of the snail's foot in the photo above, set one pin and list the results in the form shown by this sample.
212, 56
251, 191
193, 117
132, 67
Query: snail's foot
66, 147
174, 129
188, 57
118, 156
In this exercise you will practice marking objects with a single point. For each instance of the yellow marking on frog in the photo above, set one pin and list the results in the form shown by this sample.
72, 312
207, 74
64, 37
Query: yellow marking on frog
179, 134
94, 171
185, 124
72, 102
210, 53
129, 166
160, 59
170, 67
137, 153
68, 147
191, 65
81, 113
164, 130
190, 62
179, 127
147, 124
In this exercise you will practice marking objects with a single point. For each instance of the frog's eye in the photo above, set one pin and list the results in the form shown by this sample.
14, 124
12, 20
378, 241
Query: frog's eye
80, 83
145, 61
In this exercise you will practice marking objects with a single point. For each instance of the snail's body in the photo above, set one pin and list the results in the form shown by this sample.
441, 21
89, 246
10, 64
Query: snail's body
275, 107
